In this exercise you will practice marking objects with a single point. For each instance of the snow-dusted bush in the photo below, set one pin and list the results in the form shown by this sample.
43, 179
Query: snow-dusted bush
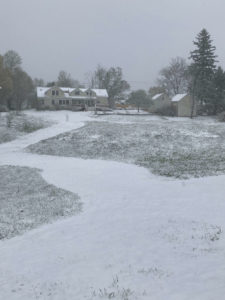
3, 108
13, 125
221, 116
168, 110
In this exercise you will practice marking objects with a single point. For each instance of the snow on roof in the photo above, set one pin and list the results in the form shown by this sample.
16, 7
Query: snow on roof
178, 97
99, 92
156, 96
41, 91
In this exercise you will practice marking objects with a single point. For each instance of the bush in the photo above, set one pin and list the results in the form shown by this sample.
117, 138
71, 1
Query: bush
3, 108
9, 118
221, 116
168, 110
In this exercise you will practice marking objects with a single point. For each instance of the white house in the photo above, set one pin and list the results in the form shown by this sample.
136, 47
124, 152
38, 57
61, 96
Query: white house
71, 98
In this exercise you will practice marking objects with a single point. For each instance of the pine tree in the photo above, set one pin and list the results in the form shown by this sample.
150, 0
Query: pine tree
202, 70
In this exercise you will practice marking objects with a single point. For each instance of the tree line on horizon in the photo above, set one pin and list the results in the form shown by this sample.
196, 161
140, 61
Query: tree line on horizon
17, 88
202, 78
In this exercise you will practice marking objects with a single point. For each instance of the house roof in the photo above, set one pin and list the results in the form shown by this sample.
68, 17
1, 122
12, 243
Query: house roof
99, 92
156, 96
41, 91
178, 97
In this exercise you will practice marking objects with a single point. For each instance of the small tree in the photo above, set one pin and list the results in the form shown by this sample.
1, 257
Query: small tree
140, 99
23, 89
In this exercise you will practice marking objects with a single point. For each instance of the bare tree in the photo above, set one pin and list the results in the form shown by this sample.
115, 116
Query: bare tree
156, 90
111, 80
174, 78
64, 79
38, 82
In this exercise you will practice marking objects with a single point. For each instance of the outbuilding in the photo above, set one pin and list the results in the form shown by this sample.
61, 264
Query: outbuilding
183, 105
159, 101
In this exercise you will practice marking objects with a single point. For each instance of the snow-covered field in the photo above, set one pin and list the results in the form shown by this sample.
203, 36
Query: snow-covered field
164, 146
139, 236
23, 205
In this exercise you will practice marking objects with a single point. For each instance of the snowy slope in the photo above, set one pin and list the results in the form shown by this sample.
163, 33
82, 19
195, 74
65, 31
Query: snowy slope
139, 235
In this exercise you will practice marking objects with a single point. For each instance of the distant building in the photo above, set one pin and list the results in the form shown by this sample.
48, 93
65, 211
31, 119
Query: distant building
71, 98
159, 101
183, 105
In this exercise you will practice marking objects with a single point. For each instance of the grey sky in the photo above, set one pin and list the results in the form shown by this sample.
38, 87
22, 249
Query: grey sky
141, 36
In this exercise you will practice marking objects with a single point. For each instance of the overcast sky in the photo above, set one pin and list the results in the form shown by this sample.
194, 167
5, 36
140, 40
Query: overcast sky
140, 36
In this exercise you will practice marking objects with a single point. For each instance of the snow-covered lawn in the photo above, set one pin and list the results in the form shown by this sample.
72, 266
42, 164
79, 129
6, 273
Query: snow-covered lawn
139, 236
23, 204
165, 146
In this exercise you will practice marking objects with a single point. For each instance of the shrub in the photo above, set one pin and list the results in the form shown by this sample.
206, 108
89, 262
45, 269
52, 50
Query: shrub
168, 110
3, 108
9, 118
221, 116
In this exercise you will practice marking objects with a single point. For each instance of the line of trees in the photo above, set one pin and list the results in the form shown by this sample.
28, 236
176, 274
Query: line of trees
17, 90
202, 77
102, 78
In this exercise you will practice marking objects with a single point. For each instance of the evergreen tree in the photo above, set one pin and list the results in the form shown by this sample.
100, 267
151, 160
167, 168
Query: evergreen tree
202, 70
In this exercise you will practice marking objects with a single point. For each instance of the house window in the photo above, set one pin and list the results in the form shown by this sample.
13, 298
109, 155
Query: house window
53, 93
53, 102
64, 101
60, 102
77, 93
67, 102
42, 101
57, 93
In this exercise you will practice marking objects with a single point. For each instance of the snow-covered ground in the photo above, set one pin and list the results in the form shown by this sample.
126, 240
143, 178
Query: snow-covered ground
140, 236
166, 147
23, 205
13, 125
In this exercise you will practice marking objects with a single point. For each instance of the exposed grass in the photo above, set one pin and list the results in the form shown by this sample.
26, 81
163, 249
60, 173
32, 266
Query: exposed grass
169, 148
27, 201
13, 125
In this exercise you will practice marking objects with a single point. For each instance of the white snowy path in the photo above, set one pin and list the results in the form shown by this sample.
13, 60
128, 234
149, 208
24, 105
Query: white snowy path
151, 232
